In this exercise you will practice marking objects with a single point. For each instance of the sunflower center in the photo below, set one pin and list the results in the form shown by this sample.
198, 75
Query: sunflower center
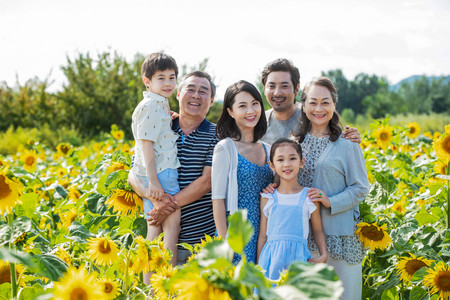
4, 188
126, 199
64, 149
104, 248
108, 288
372, 233
414, 265
412, 130
383, 136
78, 294
5, 274
446, 144
29, 161
442, 281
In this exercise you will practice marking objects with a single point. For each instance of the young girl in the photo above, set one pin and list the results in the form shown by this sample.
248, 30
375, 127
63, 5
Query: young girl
284, 227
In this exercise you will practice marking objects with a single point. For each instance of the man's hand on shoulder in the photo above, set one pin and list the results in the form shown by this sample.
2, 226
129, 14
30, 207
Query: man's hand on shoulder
352, 134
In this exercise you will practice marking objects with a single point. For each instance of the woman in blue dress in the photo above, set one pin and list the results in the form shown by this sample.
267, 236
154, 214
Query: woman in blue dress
240, 168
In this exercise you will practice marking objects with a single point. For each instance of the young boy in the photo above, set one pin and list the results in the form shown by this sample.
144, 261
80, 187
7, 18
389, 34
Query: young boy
156, 159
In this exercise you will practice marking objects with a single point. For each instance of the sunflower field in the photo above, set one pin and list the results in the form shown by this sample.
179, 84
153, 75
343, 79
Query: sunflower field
72, 228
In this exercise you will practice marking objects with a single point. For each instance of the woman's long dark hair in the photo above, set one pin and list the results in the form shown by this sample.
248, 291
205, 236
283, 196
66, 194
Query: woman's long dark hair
304, 124
226, 125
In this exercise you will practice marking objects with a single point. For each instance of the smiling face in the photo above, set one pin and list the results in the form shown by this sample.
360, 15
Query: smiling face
195, 97
319, 107
286, 162
279, 91
162, 82
246, 111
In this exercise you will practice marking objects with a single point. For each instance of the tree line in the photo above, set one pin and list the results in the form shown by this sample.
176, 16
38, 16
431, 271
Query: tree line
104, 90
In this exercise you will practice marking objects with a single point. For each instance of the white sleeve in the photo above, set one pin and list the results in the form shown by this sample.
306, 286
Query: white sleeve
310, 207
268, 207
221, 165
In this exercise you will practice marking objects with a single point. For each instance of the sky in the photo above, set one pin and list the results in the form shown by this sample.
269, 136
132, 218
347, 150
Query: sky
394, 39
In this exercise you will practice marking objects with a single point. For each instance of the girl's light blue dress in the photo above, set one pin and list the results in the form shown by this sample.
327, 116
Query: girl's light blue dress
251, 180
285, 240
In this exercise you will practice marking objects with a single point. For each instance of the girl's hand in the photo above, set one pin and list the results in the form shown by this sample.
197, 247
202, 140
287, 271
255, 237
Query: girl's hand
174, 115
155, 191
319, 260
270, 188
317, 195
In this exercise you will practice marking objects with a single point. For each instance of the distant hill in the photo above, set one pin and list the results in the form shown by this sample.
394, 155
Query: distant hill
416, 77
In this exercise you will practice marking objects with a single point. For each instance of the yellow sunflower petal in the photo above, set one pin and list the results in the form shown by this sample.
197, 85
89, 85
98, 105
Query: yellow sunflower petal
438, 280
103, 250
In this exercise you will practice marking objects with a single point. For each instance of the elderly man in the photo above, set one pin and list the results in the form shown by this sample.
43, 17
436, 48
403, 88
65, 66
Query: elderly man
281, 80
195, 144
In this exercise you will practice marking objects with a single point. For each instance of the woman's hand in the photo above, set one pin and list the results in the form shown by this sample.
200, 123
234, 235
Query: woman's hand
270, 189
317, 195
319, 260
352, 134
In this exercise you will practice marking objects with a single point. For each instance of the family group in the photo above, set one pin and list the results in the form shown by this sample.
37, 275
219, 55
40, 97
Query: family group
299, 174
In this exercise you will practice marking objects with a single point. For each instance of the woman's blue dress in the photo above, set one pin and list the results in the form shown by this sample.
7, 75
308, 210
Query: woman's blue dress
251, 180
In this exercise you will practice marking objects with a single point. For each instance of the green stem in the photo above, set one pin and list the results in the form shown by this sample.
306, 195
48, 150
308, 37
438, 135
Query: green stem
12, 266
448, 197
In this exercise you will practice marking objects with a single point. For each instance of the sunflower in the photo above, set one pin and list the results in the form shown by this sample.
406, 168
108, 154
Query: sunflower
373, 236
126, 148
441, 168
407, 266
115, 165
61, 172
3, 164
10, 191
428, 135
141, 263
103, 250
159, 257
196, 287
159, 280
5, 272
383, 136
77, 284
29, 159
417, 155
68, 217
118, 134
412, 130
438, 280
74, 193
110, 288
63, 255
125, 202
63, 149
442, 147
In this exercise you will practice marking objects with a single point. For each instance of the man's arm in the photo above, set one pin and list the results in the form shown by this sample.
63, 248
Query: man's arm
194, 191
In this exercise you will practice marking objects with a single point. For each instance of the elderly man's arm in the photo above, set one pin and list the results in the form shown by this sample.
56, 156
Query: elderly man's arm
194, 191
165, 206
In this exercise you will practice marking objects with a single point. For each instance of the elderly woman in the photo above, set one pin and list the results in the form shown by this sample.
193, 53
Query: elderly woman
336, 171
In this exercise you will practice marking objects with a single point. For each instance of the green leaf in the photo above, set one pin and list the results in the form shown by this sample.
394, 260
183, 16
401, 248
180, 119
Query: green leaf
446, 177
390, 294
289, 292
31, 292
50, 266
240, 231
423, 217
5, 290
214, 251
418, 293
78, 233
9, 234
29, 201
140, 227
419, 275
96, 203
315, 280
388, 185
13, 256
61, 191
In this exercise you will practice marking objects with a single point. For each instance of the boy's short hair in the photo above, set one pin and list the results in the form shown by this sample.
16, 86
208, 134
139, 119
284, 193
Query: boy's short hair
158, 62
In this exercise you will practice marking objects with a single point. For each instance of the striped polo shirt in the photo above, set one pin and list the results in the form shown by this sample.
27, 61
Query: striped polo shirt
195, 151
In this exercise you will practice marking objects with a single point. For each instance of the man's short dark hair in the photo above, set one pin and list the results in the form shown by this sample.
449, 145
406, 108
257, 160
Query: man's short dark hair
282, 65
158, 62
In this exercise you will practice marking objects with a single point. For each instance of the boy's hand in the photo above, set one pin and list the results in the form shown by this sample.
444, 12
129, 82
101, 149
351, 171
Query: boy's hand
174, 115
319, 260
352, 134
270, 189
155, 191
